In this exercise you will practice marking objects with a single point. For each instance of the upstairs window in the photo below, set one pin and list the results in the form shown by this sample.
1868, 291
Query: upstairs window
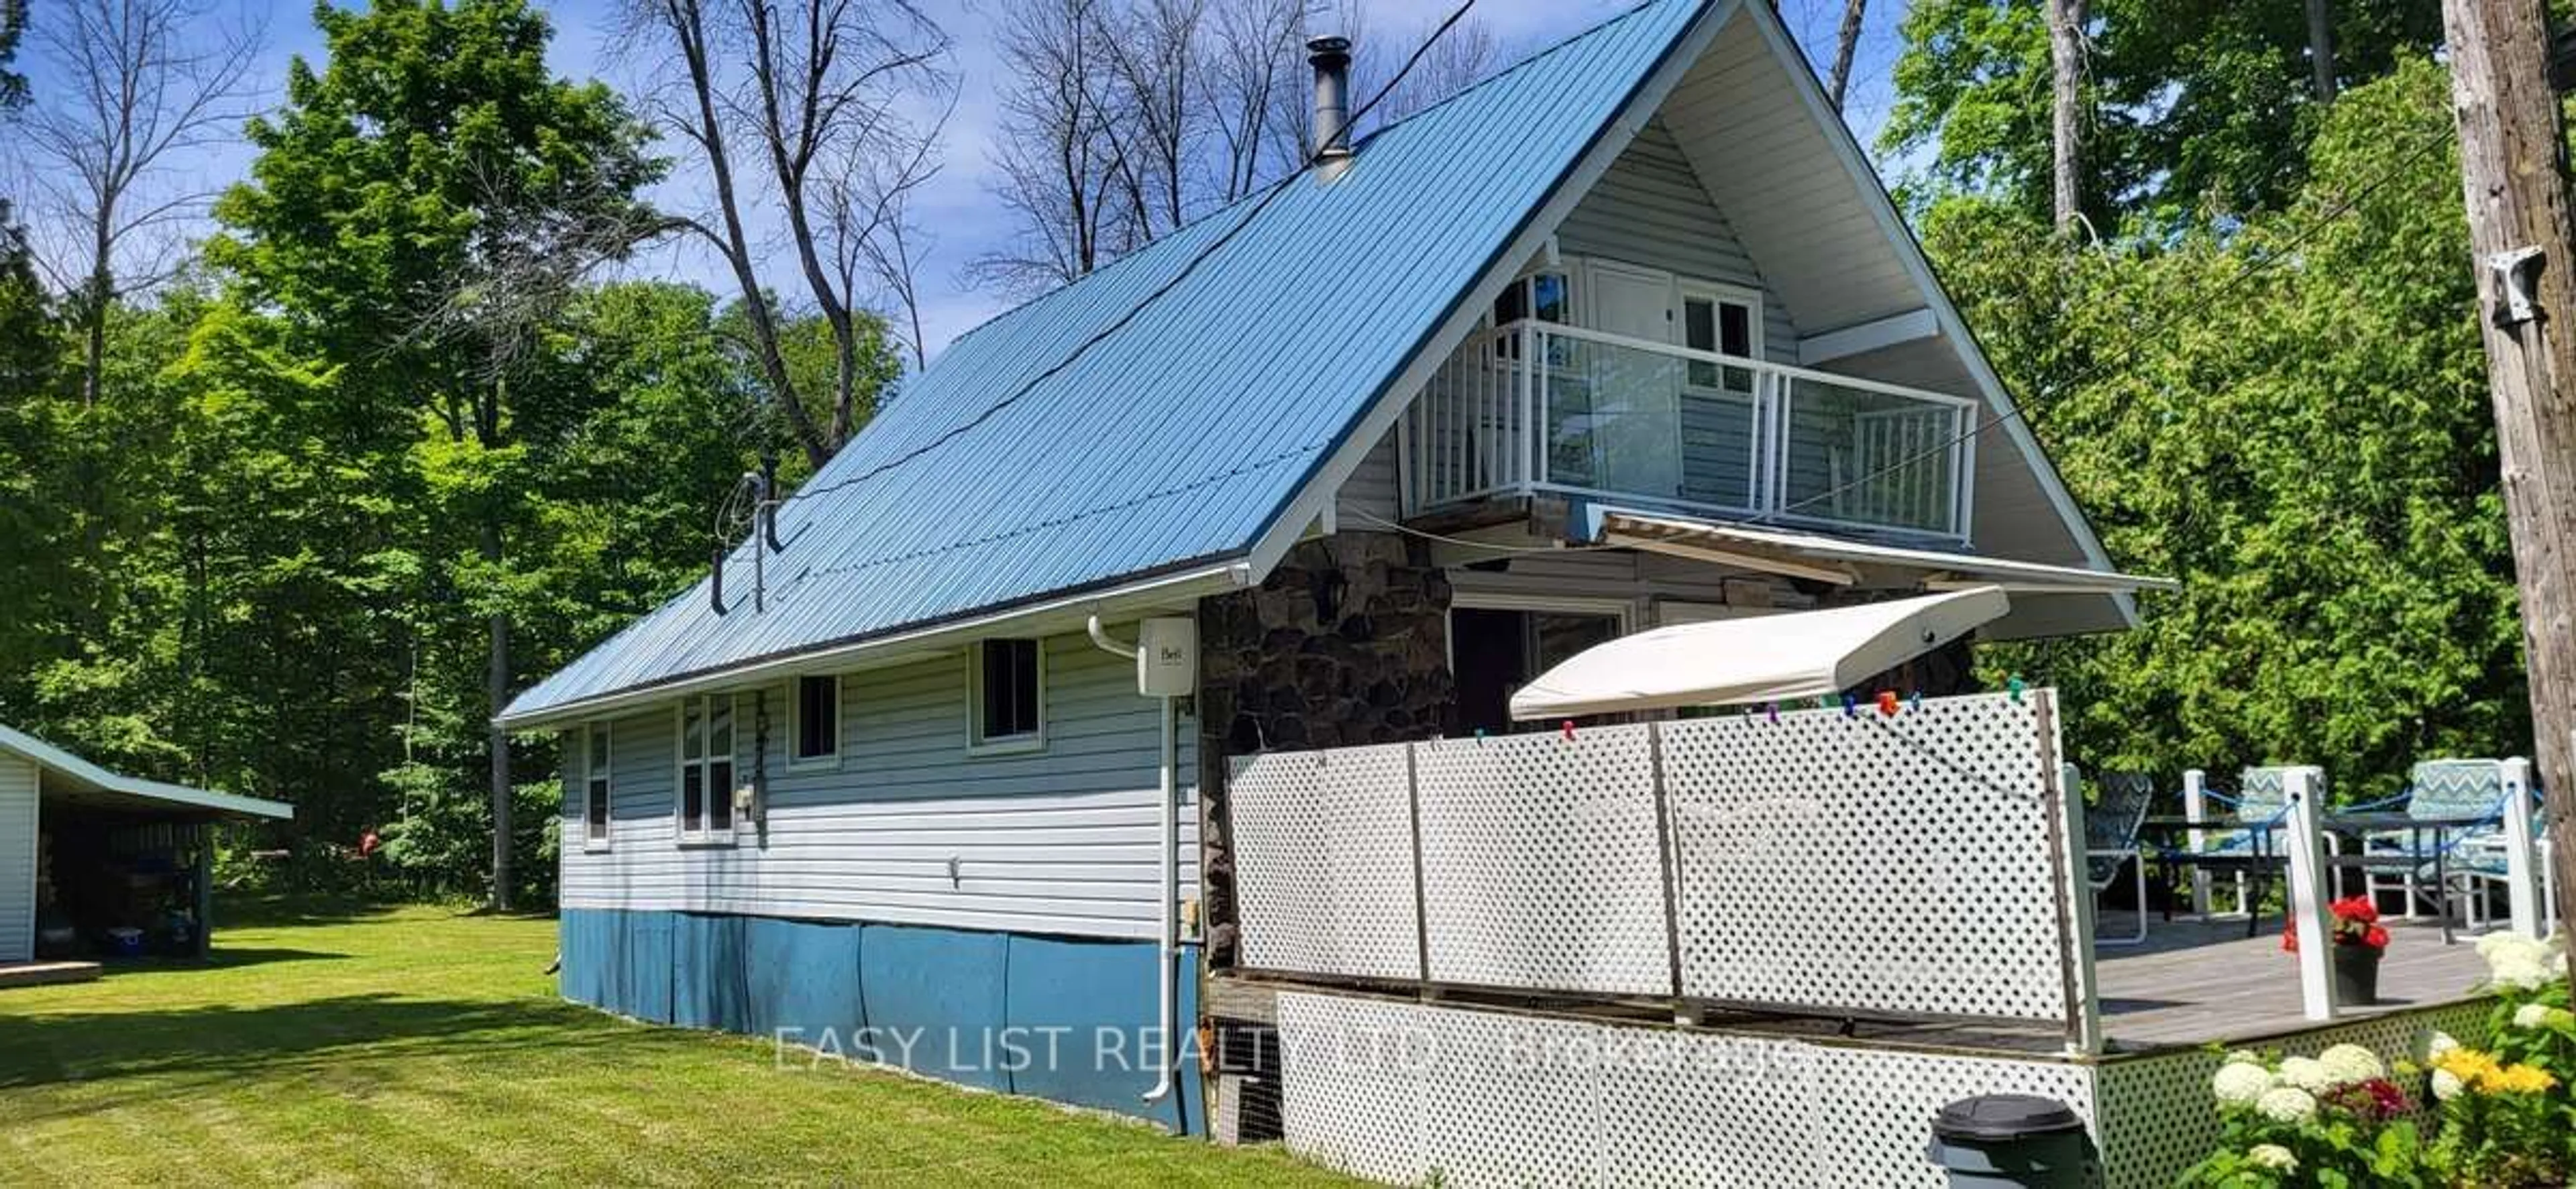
1543, 297
818, 721
1723, 324
595, 786
706, 768
1008, 695
1538, 297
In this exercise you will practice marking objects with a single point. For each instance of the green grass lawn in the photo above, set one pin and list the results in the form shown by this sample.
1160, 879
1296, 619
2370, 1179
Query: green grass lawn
424, 1046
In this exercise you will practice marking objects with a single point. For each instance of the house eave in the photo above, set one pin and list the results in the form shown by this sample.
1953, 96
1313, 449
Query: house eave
1058, 611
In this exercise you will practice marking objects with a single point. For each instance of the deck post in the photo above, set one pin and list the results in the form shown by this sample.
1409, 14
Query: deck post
2521, 870
205, 889
2085, 1035
2195, 808
2307, 907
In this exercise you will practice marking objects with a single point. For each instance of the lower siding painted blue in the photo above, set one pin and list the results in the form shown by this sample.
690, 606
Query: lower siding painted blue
1052, 1017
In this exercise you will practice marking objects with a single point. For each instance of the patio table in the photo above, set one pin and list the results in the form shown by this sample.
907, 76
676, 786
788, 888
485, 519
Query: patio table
2415, 828
2258, 860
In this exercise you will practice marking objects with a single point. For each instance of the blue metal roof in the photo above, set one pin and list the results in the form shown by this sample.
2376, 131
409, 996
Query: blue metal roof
1181, 436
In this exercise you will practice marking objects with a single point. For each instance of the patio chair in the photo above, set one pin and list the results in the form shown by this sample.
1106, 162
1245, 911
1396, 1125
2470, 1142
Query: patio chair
2261, 800
2436, 789
2480, 862
2111, 826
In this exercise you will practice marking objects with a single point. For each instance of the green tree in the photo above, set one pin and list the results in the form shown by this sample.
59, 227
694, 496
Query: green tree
2290, 417
2193, 104
417, 210
13, 30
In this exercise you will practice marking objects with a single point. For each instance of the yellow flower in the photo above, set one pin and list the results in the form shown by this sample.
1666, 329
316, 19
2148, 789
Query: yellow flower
2481, 1072
2519, 1079
2467, 1064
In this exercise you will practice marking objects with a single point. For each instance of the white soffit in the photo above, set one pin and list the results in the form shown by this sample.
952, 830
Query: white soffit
1830, 558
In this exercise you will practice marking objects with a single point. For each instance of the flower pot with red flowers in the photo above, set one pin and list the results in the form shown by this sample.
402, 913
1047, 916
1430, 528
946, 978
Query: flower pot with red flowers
2359, 943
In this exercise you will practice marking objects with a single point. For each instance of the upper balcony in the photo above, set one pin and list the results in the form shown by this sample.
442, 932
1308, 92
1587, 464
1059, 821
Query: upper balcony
1545, 408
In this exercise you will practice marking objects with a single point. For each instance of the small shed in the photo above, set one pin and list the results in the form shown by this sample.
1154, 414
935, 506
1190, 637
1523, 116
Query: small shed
94, 863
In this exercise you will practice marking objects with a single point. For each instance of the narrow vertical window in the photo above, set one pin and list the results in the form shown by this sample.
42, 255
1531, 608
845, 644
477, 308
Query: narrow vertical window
719, 764
1008, 700
595, 785
818, 720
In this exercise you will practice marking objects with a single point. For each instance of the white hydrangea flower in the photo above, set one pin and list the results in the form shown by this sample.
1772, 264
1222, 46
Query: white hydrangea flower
2240, 1084
2521, 971
2245, 1057
2441, 1043
2346, 1064
2272, 1156
2447, 1085
2518, 962
2531, 1015
2287, 1104
2307, 1073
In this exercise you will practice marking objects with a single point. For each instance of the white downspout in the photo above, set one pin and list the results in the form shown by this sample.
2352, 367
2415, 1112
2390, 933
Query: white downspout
1167, 951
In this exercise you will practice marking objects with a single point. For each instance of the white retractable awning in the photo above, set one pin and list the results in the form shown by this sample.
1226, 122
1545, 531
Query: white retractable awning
1764, 658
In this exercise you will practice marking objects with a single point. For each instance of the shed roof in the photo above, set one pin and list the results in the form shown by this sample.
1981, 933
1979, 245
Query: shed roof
1180, 438
90, 784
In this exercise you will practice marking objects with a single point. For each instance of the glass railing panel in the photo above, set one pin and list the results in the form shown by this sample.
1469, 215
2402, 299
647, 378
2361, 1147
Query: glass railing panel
1861, 456
1630, 421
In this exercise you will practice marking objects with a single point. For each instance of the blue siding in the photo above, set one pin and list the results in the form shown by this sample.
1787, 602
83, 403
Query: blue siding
644, 965
936, 993
1181, 436
1069, 988
801, 979
974, 1007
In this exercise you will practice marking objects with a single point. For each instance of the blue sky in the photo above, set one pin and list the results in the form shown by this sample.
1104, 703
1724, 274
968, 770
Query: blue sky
957, 205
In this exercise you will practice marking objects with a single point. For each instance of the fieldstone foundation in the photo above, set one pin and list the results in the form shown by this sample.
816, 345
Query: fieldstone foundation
1346, 643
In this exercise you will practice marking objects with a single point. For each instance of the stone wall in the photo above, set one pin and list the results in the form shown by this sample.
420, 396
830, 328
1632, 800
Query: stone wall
1346, 643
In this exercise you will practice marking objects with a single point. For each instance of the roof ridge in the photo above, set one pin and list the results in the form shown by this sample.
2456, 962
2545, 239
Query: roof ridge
1195, 222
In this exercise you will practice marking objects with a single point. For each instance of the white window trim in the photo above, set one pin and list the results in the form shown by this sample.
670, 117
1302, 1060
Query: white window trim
1717, 292
795, 702
680, 762
601, 841
1023, 744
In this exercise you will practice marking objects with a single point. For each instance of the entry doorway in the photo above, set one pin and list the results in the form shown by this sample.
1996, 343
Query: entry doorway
1496, 649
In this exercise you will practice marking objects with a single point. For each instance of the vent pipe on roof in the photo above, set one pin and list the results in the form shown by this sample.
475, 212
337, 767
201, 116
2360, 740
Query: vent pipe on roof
1332, 59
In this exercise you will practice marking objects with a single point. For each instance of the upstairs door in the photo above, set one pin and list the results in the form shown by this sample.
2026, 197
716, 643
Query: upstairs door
1633, 394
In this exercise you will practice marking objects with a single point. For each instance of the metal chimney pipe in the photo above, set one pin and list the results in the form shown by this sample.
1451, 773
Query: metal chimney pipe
1332, 60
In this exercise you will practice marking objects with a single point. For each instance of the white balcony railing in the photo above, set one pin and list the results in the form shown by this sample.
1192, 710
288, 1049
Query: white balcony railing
1538, 407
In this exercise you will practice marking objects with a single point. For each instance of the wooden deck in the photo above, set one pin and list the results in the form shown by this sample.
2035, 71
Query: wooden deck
2203, 981
2193, 982
37, 974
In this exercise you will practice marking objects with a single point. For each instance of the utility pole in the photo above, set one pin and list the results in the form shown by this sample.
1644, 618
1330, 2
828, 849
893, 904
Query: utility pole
2514, 174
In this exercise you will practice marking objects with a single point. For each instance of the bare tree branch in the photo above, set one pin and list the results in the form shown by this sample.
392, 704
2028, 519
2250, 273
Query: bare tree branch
142, 84
824, 92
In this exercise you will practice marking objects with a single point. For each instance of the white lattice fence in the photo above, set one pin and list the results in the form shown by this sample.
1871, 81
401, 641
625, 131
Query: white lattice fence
1542, 865
2157, 1118
1903, 864
1406, 1093
1323, 844
1910, 864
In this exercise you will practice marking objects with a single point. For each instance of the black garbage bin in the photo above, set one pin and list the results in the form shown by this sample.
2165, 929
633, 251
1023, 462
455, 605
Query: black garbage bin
1994, 1141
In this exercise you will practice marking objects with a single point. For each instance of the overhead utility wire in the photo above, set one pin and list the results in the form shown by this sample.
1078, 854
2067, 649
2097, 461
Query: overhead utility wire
1313, 157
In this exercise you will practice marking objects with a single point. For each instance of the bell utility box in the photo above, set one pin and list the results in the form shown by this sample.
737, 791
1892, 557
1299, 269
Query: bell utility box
1167, 657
